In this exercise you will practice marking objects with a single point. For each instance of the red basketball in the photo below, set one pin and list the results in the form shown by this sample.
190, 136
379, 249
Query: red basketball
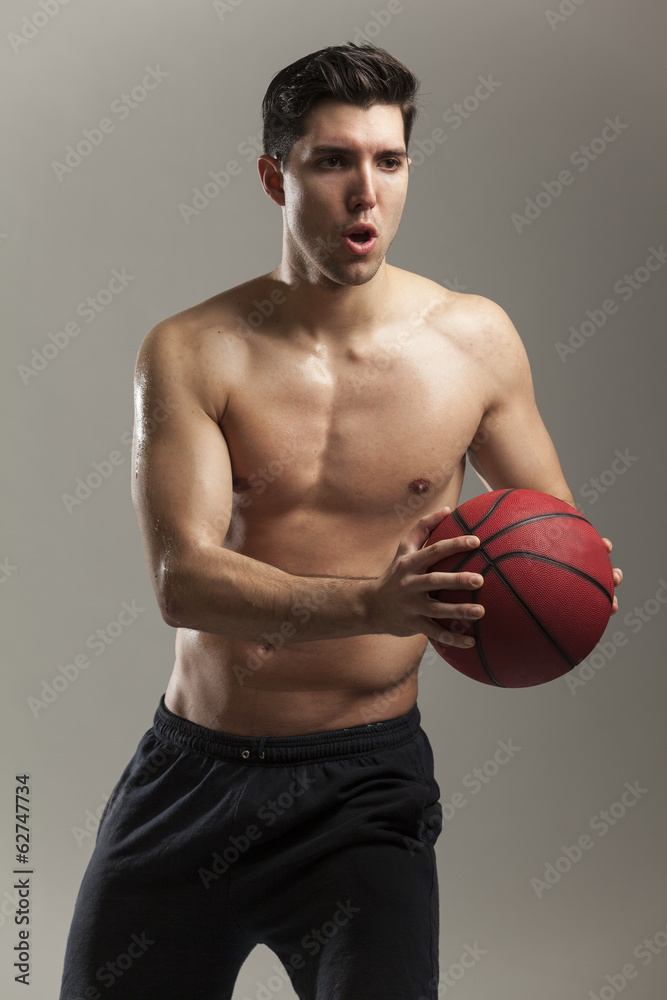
547, 592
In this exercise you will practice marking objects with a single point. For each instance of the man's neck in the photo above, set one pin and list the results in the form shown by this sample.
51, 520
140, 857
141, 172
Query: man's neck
322, 309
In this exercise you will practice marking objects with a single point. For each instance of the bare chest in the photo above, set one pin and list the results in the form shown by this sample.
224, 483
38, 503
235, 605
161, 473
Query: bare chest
358, 432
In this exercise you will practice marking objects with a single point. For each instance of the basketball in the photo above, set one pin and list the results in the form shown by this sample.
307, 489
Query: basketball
547, 592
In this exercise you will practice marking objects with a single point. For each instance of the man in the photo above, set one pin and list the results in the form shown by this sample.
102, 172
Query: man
285, 793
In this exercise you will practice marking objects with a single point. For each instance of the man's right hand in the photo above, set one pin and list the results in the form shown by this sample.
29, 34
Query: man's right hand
399, 599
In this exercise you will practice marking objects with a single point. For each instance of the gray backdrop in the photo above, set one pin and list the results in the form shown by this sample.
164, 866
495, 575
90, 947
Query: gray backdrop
99, 242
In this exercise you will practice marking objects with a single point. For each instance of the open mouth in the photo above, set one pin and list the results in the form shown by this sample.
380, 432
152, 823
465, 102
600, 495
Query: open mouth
361, 242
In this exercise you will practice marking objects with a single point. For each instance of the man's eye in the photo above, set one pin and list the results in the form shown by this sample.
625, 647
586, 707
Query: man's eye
390, 159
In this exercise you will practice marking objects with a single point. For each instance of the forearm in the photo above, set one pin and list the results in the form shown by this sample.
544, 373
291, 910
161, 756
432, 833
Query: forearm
213, 589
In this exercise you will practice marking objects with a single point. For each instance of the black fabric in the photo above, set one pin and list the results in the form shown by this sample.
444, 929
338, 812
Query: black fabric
322, 849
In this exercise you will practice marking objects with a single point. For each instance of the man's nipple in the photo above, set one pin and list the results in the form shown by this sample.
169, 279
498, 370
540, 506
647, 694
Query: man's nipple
419, 486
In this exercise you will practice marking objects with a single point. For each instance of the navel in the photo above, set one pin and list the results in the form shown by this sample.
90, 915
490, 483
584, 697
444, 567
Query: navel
419, 485
240, 483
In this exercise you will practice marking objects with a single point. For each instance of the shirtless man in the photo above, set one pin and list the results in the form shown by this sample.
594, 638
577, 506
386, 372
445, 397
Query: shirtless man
318, 421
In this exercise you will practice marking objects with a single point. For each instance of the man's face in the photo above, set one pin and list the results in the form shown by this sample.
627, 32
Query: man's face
349, 167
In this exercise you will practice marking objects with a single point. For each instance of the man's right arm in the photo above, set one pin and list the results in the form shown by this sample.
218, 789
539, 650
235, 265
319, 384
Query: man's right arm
182, 494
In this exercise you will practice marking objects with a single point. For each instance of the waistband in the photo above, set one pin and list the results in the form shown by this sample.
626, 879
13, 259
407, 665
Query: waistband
329, 744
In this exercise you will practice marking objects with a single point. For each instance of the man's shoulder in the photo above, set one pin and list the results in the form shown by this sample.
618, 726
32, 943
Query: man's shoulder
219, 311
466, 317
206, 337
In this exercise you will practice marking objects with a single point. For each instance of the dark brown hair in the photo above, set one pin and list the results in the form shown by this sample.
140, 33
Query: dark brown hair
361, 75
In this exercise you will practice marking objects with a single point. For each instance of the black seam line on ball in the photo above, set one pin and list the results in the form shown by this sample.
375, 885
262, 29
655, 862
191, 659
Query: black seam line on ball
490, 510
529, 520
492, 564
566, 656
482, 655
475, 625
555, 562
502, 531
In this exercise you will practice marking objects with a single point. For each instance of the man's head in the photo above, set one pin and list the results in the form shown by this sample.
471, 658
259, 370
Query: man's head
336, 128
360, 75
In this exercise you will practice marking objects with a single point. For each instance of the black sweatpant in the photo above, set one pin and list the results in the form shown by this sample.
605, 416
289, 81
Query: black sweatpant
320, 846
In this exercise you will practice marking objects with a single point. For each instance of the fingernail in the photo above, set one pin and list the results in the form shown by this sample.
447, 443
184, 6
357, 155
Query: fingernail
476, 580
468, 642
472, 540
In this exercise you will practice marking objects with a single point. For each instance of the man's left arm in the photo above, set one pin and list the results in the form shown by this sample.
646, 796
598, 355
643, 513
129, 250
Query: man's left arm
512, 447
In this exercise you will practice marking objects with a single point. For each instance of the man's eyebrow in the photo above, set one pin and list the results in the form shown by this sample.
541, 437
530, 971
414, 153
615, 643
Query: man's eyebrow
345, 150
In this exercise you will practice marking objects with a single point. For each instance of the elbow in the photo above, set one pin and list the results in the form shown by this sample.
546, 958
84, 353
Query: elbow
169, 593
170, 611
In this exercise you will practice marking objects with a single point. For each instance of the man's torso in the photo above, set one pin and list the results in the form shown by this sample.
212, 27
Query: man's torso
337, 450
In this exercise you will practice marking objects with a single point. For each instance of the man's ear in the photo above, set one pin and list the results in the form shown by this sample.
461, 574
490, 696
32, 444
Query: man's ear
271, 176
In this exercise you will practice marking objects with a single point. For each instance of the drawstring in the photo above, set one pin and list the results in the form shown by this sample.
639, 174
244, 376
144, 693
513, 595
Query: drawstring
262, 743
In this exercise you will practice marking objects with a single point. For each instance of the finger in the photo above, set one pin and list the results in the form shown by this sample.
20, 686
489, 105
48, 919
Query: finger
449, 581
459, 609
435, 518
618, 576
608, 544
614, 606
447, 637
430, 554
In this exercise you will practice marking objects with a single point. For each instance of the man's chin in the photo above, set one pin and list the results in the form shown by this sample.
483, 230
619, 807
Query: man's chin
357, 272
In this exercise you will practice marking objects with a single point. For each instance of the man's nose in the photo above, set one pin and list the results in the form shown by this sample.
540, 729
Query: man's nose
363, 189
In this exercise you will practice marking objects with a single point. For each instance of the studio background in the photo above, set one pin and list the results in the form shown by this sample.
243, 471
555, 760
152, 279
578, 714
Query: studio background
484, 214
